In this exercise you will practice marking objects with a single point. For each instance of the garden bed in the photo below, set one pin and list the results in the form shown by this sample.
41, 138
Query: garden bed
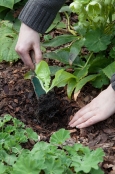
18, 99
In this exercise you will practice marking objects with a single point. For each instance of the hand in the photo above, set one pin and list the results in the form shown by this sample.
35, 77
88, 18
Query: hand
100, 108
28, 40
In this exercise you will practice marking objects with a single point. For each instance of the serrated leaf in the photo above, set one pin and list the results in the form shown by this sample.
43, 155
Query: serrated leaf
100, 80
7, 3
96, 40
59, 137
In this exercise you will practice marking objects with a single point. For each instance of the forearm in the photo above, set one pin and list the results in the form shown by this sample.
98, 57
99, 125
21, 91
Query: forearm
39, 14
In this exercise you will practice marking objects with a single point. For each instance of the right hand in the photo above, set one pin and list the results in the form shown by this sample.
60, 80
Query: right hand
28, 40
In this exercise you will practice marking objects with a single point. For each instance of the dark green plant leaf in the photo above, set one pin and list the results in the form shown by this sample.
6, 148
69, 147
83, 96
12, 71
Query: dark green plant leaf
59, 40
96, 40
83, 81
70, 87
100, 80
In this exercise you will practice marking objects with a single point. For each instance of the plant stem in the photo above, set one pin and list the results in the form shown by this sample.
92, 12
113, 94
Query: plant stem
68, 25
88, 59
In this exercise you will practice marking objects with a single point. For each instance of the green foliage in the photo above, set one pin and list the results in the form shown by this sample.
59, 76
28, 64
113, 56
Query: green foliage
61, 79
55, 157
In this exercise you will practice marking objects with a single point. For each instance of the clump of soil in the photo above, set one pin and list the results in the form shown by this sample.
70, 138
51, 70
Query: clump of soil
52, 110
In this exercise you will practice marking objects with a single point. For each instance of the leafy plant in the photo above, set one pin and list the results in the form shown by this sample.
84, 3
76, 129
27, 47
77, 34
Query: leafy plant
55, 157
62, 78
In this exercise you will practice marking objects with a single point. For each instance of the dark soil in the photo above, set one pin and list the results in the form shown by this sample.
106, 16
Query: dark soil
53, 111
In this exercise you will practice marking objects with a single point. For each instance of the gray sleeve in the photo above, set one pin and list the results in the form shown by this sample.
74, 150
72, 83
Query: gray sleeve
39, 14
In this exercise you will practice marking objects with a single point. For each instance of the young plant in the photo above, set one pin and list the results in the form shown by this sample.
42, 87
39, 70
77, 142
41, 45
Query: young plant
62, 78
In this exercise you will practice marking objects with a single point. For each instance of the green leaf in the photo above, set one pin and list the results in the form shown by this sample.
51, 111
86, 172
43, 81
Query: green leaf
61, 78
2, 168
55, 22
83, 81
53, 166
26, 164
75, 50
87, 162
70, 87
96, 40
81, 73
59, 137
7, 3
61, 55
109, 70
31, 134
54, 69
8, 41
100, 80
59, 40
43, 74
98, 171
29, 74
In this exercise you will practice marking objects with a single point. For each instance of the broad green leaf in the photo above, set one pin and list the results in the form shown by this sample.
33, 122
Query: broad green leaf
65, 8
54, 69
98, 171
59, 137
87, 162
83, 81
59, 40
8, 41
70, 87
61, 78
31, 134
7, 3
61, 55
75, 50
43, 74
2, 168
109, 70
96, 40
81, 73
26, 164
53, 166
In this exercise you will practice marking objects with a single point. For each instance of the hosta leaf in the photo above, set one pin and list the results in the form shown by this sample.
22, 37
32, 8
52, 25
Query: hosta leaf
59, 40
83, 81
60, 137
8, 41
96, 40
43, 74
109, 70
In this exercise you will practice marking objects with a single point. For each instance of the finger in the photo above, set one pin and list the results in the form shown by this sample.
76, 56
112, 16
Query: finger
27, 60
38, 54
89, 122
80, 113
82, 119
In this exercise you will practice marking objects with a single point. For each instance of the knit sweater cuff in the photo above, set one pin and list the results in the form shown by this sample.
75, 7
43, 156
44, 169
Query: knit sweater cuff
37, 18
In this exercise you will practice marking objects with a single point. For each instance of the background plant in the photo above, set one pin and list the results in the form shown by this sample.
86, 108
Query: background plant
55, 157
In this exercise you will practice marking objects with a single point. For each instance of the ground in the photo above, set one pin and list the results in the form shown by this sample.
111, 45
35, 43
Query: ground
17, 98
